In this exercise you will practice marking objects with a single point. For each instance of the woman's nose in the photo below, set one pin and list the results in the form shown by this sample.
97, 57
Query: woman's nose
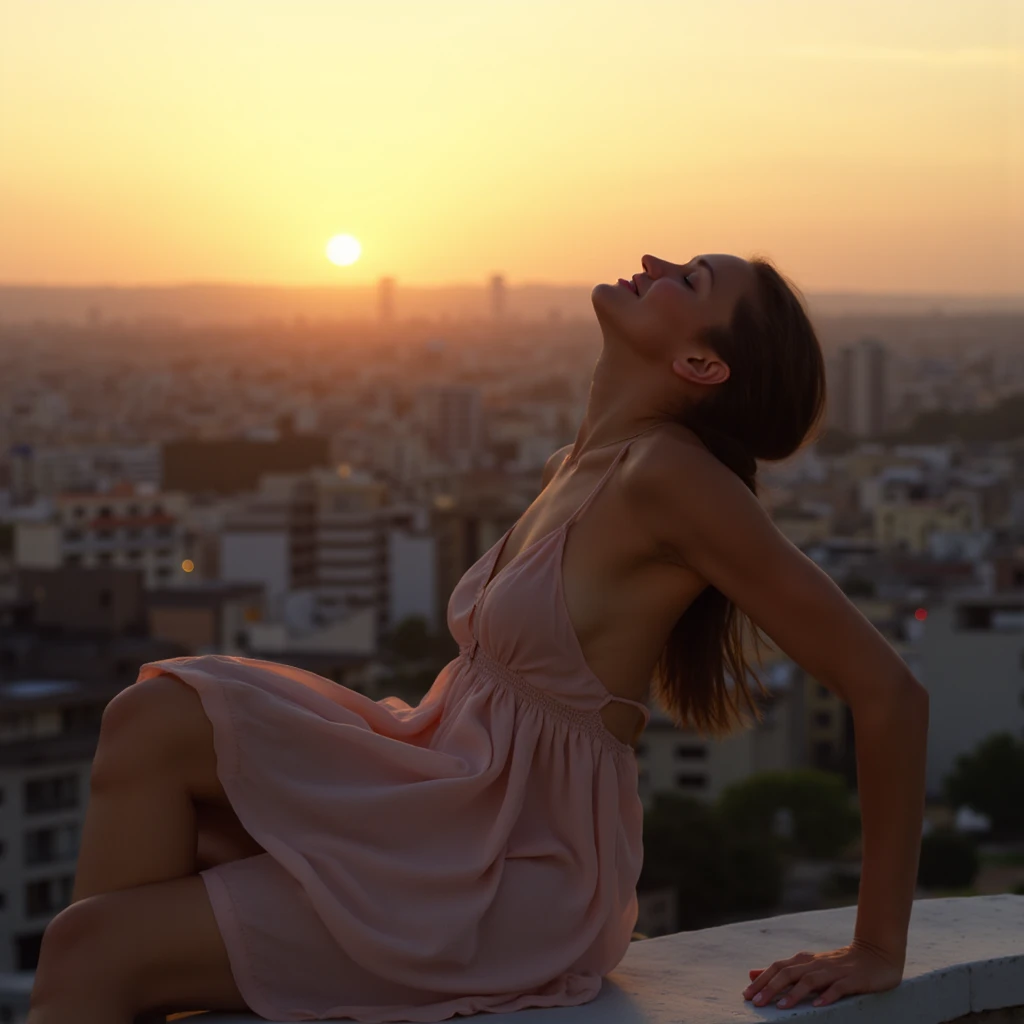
651, 264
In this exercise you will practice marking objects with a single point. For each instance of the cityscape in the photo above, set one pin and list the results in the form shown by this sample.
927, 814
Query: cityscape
310, 493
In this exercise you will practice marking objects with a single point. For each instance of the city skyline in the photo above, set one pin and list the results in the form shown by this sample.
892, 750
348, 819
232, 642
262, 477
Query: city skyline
866, 148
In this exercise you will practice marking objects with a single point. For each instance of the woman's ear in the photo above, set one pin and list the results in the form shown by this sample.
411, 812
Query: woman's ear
700, 369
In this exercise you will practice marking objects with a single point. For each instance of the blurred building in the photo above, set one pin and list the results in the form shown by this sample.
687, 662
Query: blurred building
452, 419
48, 735
51, 470
498, 297
234, 465
674, 760
386, 301
859, 394
970, 658
211, 618
128, 526
327, 545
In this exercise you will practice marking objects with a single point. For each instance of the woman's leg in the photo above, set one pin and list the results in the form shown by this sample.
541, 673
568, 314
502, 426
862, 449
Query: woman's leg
154, 780
154, 947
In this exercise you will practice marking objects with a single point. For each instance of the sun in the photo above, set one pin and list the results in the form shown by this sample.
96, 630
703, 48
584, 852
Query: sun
343, 250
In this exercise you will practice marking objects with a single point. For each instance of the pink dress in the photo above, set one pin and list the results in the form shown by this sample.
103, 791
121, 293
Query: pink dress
477, 852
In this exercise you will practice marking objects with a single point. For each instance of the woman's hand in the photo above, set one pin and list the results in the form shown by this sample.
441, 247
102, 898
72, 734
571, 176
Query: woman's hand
842, 972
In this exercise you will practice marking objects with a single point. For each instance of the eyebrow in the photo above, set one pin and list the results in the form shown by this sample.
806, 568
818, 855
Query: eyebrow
704, 263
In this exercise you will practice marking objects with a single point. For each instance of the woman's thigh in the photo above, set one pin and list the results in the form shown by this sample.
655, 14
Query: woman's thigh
151, 947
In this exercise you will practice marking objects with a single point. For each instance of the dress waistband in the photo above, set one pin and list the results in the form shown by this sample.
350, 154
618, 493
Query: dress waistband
587, 719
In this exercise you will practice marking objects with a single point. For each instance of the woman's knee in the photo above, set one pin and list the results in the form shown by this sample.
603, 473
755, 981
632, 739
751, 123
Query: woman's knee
74, 959
159, 725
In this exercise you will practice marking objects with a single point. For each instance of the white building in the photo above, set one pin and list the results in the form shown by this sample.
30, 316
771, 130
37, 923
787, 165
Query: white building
327, 544
128, 526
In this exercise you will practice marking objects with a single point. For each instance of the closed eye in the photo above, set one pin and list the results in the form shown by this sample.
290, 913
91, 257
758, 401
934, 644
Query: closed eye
686, 281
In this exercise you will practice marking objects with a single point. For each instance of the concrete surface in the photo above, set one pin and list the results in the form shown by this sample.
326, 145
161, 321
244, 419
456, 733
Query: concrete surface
964, 956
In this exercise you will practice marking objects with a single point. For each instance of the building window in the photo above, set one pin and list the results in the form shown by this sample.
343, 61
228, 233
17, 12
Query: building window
690, 750
823, 691
49, 845
105, 512
104, 558
73, 560
164, 531
640, 749
163, 572
104, 534
685, 781
823, 719
57, 793
72, 535
48, 895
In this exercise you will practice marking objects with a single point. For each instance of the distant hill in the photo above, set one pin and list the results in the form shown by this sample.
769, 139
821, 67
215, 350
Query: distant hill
229, 303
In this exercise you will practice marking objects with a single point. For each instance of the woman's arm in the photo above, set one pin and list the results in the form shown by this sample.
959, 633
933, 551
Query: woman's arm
701, 513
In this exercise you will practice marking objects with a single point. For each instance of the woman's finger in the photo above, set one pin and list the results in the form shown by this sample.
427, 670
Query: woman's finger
812, 981
840, 987
762, 975
780, 980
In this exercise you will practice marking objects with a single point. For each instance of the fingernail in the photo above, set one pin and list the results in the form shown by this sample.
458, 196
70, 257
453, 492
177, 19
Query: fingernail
759, 998
817, 1002
783, 1002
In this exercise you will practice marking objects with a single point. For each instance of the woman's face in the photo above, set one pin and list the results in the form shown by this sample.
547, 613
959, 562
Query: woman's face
661, 312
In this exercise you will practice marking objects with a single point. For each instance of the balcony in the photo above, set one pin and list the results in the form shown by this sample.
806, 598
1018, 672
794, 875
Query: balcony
965, 961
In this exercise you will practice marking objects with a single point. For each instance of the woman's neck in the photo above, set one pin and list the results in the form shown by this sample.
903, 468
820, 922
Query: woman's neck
621, 404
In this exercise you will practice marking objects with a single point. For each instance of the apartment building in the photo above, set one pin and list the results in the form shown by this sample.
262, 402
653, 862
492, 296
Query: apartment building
969, 654
129, 526
48, 735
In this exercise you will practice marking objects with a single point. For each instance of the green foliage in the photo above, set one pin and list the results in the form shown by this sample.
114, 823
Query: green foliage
990, 780
948, 861
715, 870
824, 819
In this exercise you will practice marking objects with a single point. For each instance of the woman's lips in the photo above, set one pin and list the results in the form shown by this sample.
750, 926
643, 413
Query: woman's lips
629, 284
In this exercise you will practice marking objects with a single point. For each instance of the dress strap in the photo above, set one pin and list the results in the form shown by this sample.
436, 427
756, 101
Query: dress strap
625, 700
604, 479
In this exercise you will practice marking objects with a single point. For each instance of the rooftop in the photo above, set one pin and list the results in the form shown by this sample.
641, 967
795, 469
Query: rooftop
965, 956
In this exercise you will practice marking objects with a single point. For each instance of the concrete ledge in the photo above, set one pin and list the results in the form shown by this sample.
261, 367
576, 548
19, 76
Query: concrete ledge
965, 960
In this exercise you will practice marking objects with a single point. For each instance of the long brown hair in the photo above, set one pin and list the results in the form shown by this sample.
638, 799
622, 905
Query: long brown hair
766, 409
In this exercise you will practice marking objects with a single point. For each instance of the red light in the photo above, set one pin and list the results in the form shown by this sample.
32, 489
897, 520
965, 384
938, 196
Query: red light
921, 614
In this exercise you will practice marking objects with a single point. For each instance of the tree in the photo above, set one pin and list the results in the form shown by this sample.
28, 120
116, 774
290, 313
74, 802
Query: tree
824, 819
714, 869
949, 860
990, 779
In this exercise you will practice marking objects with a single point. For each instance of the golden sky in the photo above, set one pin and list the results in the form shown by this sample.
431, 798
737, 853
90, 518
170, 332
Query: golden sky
873, 145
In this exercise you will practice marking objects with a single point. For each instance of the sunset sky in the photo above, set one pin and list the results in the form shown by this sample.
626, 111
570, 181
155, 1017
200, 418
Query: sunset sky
869, 145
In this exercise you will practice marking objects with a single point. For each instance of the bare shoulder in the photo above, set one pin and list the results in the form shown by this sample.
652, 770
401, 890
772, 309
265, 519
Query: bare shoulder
551, 466
699, 515
683, 496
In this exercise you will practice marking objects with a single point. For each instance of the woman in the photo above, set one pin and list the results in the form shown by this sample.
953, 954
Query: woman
480, 851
